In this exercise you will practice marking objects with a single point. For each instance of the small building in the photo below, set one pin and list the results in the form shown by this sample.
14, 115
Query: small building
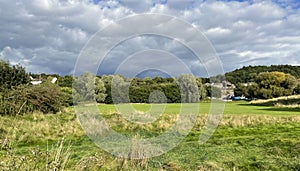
35, 81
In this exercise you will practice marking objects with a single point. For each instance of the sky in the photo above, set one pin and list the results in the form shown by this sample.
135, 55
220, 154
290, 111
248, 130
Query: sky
48, 36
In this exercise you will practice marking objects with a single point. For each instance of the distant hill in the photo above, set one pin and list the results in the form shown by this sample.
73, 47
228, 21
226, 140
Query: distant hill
248, 73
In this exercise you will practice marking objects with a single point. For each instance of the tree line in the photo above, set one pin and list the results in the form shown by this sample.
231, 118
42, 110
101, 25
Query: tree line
118, 89
267, 85
18, 96
248, 74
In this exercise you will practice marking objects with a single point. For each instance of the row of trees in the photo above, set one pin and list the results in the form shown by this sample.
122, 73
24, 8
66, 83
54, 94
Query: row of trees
268, 85
185, 88
249, 73
117, 89
17, 95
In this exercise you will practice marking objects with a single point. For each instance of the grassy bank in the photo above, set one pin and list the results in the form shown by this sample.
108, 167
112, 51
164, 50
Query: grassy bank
286, 101
248, 138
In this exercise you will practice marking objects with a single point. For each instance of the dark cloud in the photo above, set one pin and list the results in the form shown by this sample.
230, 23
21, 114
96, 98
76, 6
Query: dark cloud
47, 36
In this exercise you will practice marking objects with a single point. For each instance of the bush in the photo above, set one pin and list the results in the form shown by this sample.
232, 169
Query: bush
67, 96
46, 98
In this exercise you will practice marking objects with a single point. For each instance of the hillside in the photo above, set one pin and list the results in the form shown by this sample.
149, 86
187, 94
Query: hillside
248, 73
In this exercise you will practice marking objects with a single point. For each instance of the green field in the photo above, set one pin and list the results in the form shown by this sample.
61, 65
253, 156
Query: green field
249, 137
231, 108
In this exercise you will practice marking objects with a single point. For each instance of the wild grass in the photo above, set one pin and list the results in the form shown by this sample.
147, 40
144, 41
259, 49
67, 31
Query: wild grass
247, 138
286, 101
54, 158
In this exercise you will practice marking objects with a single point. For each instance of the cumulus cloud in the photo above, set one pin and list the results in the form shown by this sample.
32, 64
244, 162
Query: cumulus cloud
47, 36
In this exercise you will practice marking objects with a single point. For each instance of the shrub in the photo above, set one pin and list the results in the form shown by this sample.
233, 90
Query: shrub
46, 98
67, 96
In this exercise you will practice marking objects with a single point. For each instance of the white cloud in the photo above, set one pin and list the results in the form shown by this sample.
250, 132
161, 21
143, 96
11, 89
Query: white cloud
36, 33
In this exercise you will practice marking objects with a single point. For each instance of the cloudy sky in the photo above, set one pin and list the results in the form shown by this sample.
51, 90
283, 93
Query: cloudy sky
48, 35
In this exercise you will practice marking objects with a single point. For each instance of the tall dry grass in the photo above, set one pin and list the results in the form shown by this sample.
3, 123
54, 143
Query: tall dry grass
292, 101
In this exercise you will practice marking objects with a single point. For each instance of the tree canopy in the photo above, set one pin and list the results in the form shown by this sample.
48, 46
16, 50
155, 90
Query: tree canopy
249, 73
11, 76
268, 85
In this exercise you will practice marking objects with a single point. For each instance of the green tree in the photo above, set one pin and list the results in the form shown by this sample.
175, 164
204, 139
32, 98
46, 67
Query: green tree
201, 88
67, 92
88, 88
119, 89
100, 90
241, 90
268, 85
65, 81
249, 73
139, 94
171, 91
297, 89
275, 84
252, 91
188, 88
107, 79
158, 80
213, 92
11, 76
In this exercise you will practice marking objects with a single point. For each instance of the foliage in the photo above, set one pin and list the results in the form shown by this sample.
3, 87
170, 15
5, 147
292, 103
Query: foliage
213, 92
250, 90
46, 98
12, 76
107, 84
139, 90
297, 89
99, 90
188, 88
67, 93
119, 89
201, 89
65, 81
116, 89
19, 97
87, 88
268, 85
249, 73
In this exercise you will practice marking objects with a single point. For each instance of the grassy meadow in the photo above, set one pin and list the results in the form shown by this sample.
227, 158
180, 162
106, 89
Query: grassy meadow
249, 137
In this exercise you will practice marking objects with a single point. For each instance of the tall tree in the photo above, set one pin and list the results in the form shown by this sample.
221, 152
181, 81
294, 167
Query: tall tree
201, 88
188, 88
275, 84
88, 88
11, 76
120, 90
